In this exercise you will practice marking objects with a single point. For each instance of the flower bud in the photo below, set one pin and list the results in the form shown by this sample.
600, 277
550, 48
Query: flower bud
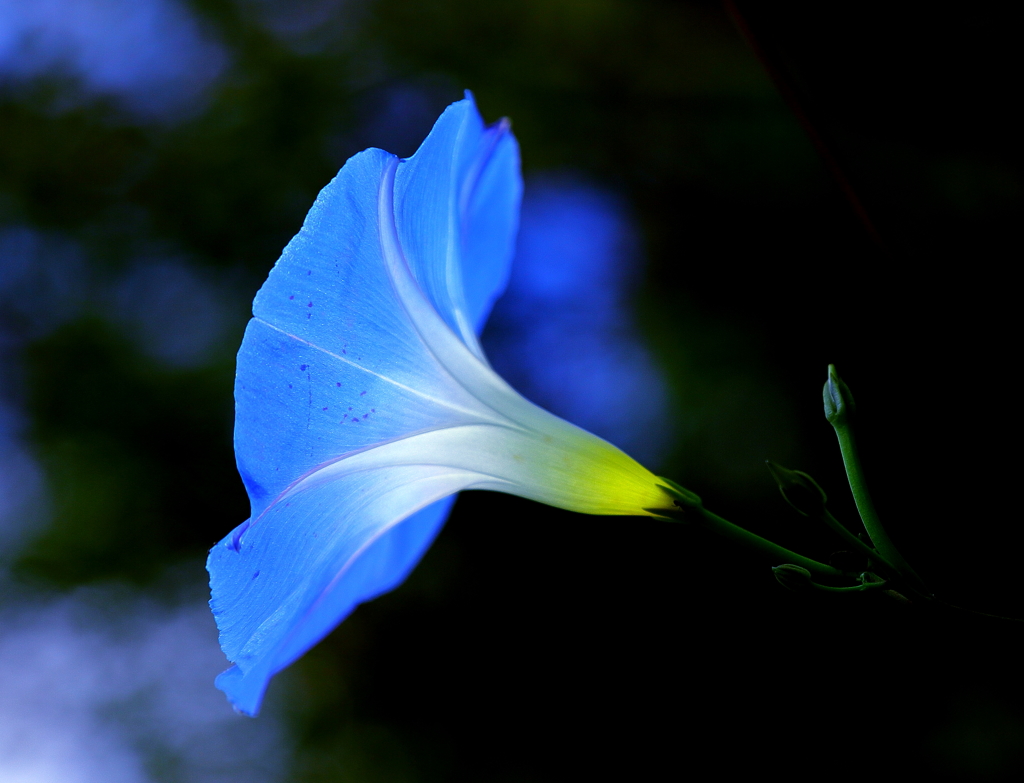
793, 577
800, 490
837, 397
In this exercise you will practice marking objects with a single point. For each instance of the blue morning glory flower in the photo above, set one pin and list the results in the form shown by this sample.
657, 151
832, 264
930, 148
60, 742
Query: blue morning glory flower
364, 402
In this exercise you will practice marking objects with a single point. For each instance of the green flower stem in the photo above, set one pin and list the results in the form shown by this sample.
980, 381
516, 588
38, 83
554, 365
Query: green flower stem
853, 589
736, 533
843, 532
866, 509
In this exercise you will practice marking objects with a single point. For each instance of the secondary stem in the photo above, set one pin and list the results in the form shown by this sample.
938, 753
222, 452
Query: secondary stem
736, 533
866, 509
841, 529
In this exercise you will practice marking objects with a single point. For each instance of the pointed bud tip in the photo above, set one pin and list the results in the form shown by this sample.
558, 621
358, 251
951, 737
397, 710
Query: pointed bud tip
798, 489
837, 397
683, 497
793, 577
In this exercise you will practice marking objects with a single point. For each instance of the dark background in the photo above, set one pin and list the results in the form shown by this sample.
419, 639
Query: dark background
839, 185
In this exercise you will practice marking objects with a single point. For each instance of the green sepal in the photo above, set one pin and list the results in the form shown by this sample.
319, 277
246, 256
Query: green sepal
799, 490
793, 577
681, 494
666, 514
865, 585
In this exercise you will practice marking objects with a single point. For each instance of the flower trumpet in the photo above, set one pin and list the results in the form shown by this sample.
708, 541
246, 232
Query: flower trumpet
364, 401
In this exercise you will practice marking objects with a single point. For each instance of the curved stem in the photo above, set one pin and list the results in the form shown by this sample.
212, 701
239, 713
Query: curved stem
736, 533
866, 509
853, 589
844, 533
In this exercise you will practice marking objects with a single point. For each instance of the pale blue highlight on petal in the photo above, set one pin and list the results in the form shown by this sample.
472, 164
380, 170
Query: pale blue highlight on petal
318, 557
331, 363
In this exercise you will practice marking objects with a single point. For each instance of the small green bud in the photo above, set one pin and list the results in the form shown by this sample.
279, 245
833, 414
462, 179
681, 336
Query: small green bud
899, 598
800, 490
837, 397
793, 577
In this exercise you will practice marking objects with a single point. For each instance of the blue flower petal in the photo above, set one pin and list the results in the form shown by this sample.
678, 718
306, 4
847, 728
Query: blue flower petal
457, 209
332, 365
311, 576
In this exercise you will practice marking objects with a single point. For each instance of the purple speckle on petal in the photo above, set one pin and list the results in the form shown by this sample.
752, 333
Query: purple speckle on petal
290, 386
303, 367
338, 385
361, 393
310, 304
365, 415
256, 574
324, 408
292, 296
350, 409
